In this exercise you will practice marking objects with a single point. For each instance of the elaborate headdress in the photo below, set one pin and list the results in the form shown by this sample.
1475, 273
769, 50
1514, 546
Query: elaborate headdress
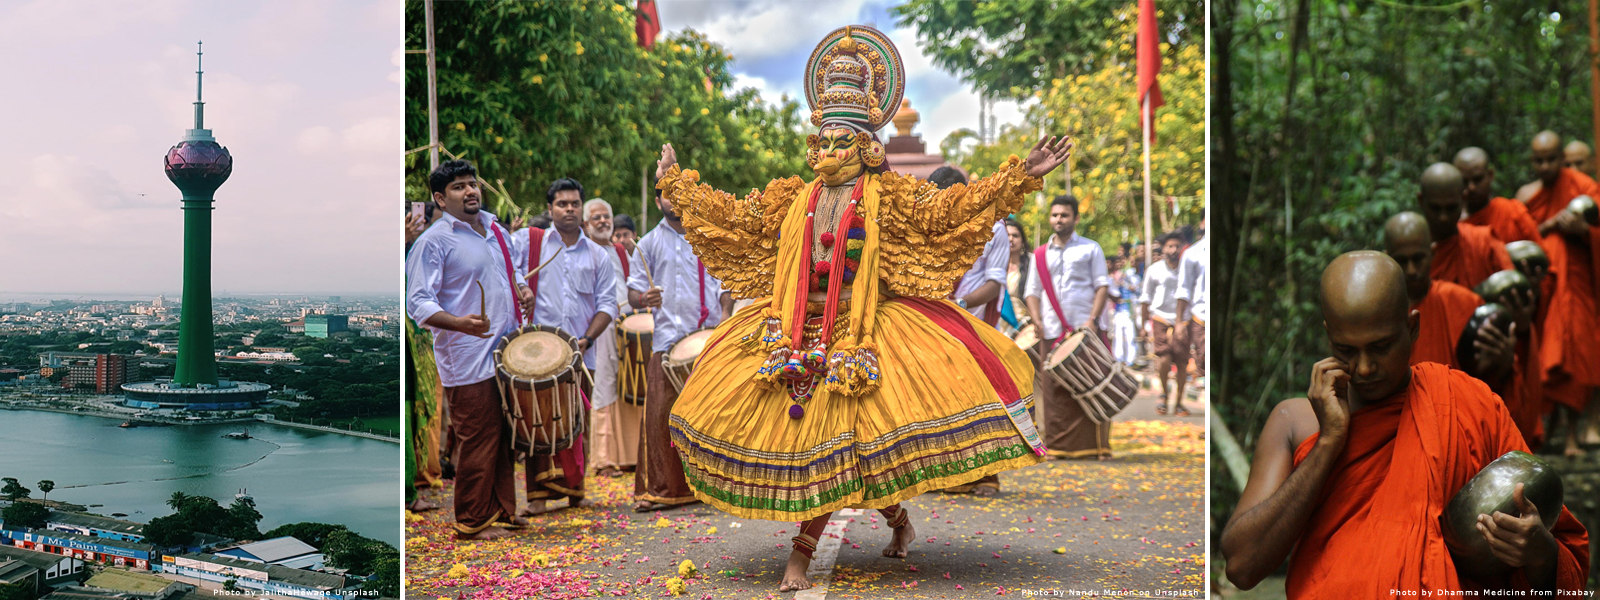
854, 79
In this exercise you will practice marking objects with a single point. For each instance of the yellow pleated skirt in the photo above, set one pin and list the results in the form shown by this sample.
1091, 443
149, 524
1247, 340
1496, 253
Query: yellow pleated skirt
935, 421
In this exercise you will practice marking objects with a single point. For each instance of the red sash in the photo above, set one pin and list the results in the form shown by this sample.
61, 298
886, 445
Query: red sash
622, 253
511, 272
704, 311
535, 246
1043, 267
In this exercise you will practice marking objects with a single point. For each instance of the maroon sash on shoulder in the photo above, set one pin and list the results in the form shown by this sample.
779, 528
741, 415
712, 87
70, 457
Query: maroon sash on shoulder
1043, 267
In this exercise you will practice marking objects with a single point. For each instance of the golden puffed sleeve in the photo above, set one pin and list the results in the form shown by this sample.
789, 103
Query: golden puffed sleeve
736, 238
931, 237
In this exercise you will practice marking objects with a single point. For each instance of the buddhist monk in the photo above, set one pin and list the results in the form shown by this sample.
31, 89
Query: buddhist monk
1353, 477
1506, 218
1569, 352
1463, 254
1443, 307
1579, 157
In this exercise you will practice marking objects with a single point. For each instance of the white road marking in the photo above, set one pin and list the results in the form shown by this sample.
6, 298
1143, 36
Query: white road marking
821, 570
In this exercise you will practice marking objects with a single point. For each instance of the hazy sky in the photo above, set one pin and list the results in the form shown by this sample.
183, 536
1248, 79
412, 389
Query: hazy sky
771, 39
304, 93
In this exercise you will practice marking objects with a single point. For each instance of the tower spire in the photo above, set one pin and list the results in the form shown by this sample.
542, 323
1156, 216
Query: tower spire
199, 75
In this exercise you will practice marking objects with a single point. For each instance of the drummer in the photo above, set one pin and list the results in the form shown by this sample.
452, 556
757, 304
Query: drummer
1353, 477
575, 291
1159, 304
447, 265
978, 292
615, 445
1077, 275
666, 277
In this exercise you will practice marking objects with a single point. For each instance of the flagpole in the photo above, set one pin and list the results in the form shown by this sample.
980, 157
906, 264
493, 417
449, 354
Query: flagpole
1148, 234
433, 94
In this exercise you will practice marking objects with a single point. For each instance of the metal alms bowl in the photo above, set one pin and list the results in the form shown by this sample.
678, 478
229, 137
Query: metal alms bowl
1528, 251
1490, 491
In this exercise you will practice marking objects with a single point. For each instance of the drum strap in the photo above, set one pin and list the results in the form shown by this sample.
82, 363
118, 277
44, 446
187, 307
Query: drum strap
622, 253
511, 272
1042, 265
535, 250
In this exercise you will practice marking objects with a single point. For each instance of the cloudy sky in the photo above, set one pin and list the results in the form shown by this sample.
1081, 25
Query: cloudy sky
771, 39
304, 93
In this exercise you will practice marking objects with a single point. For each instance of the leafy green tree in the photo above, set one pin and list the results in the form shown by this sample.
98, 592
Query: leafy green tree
25, 515
386, 576
17, 591
170, 531
349, 550
1012, 48
14, 489
177, 500
45, 486
535, 91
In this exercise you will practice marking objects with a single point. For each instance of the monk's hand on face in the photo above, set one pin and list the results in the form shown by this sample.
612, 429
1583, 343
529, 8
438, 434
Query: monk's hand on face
1330, 398
669, 157
1495, 350
1519, 541
1047, 154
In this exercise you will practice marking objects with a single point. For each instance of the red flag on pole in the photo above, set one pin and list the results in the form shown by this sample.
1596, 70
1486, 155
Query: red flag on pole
647, 24
1148, 53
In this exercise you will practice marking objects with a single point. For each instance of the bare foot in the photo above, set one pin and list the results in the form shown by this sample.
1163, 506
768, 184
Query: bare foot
1572, 450
985, 490
492, 533
647, 506
579, 502
794, 575
537, 507
420, 505
609, 472
901, 542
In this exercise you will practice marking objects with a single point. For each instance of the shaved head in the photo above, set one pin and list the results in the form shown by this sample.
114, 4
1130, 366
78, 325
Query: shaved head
1579, 157
1369, 322
1407, 240
1477, 175
1441, 198
1548, 157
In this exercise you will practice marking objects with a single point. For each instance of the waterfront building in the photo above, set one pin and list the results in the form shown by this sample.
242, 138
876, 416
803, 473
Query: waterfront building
285, 551
265, 578
40, 568
106, 551
118, 584
95, 526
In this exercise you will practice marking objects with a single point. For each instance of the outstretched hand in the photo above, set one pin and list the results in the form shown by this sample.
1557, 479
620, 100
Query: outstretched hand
669, 157
1048, 154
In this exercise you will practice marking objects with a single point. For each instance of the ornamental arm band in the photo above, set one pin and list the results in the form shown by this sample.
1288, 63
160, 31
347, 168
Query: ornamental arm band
736, 238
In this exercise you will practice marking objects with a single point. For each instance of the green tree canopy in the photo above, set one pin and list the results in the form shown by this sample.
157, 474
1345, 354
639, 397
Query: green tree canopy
538, 90
29, 515
14, 489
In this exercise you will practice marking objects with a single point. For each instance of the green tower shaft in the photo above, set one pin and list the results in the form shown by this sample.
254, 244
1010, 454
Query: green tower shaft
196, 344
198, 165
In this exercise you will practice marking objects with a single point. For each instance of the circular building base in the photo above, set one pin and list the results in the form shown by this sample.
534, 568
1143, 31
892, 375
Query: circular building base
227, 395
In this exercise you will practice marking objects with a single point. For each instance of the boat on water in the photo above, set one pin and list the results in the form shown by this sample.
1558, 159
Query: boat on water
238, 435
244, 495
128, 425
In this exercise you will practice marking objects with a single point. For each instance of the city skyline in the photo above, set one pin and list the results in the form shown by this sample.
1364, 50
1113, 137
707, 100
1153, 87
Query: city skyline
306, 93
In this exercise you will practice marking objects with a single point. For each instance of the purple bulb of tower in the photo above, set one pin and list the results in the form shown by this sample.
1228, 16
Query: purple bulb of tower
198, 166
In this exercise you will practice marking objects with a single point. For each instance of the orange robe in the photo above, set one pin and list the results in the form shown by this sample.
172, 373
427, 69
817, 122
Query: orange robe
1507, 219
1569, 352
1525, 398
1445, 312
1376, 527
1469, 257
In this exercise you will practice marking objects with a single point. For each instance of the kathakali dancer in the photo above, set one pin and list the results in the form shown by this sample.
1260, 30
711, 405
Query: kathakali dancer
851, 381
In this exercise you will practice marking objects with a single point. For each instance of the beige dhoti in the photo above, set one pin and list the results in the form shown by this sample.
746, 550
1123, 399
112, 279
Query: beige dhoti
615, 442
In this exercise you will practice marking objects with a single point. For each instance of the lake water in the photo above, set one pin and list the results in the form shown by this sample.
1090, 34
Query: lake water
295, 475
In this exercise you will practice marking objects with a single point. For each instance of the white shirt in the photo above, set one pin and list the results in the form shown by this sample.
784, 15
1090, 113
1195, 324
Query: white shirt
442, 272
1160, 292
574, 287
677, 272
1077, 269
991, 266
1192, 278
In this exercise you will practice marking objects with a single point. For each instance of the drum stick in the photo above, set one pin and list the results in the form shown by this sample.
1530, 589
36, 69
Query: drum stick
536, 270
649, 280
482, 310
